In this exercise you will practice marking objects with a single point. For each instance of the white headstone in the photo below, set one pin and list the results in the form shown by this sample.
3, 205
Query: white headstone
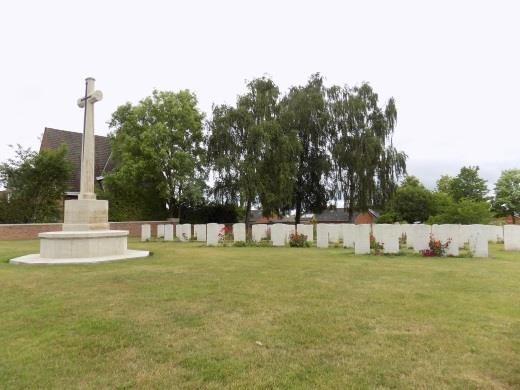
212, 231
178, 231
498, 233
168, 232
445, 233
377, 232
362, 239
278, 234
387, 235
348, 234
392, 233
465, 232
160, 231
419, 237
222, 230
186, 231
334, 230
146, 232
259, 231
478, 240
289, 229
200, 232
322, 235
405, 229
239, 232
307, 230
512, 237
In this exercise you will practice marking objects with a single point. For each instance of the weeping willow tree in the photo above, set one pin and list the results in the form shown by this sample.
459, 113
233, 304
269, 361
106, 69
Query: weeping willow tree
367, 166
249, 153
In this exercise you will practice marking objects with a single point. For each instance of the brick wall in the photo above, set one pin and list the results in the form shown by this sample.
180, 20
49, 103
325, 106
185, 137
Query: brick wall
364, 218
30, 231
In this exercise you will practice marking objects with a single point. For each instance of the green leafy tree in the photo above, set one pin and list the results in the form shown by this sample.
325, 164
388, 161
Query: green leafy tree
158, 145
366, 163
36, 183
250, 153
304, 113
444, 183
411, 202
507, 193
466, 211
468, 185
441, 201
461, 199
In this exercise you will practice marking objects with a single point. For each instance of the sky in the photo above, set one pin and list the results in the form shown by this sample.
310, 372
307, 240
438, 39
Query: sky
453, 67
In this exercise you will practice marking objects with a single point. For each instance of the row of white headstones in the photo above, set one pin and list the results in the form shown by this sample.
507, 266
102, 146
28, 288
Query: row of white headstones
354, 236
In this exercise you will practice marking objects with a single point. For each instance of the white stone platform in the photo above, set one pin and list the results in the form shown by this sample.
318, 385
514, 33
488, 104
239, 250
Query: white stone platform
37, 259
77, 247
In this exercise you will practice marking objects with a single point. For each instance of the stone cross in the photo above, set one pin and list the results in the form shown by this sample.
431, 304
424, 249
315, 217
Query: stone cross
88, 147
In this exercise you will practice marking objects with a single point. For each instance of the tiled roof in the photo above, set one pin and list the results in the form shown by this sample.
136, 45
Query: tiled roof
54, 138
333, 215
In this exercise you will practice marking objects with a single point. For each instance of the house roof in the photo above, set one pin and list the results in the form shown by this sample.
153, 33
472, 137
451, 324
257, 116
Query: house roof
53, 138
333, 215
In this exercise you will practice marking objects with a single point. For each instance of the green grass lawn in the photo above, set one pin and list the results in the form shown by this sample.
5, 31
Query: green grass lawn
198, 317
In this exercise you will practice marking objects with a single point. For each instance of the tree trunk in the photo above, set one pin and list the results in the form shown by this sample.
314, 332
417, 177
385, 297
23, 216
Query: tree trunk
171, 208
350, 213
513, 218
350, 202
246, 219
297, 217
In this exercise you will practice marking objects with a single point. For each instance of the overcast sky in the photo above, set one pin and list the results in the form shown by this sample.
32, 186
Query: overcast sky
452, 66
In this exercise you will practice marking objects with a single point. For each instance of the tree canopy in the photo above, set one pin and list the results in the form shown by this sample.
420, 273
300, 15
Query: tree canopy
158, 146
304, 112
411, 202
249, 152
299, 151
466, 185
507, 193
36, 183
367, 165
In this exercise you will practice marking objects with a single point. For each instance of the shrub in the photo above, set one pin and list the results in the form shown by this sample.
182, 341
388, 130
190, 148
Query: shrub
298, 240
376, 246
436, 248
389, 217
225, 234
240, 244
264, 243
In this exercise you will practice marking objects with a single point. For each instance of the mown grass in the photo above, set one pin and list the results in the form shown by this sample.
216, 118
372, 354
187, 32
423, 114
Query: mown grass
198, 317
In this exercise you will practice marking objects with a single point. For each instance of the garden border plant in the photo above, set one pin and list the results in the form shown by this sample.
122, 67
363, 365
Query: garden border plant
436, 248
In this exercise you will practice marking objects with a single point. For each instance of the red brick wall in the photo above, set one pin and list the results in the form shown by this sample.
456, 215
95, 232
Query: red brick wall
509, 220
364, 218
30, 231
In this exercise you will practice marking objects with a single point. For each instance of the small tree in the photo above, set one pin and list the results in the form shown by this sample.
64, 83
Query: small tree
507, 193
411, 202
36, 183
